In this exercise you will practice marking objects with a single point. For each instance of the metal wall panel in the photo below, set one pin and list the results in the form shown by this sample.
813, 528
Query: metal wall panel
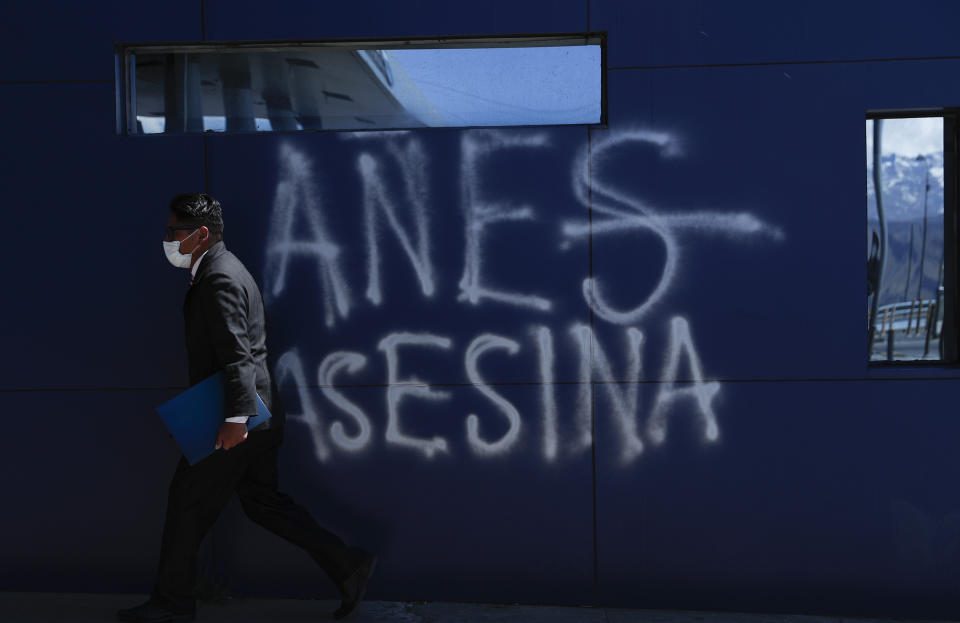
87, 272
467, 523
698, 32
818, 497
303, 19
87, 473
760, 171
459, 525
69, 41
276, 184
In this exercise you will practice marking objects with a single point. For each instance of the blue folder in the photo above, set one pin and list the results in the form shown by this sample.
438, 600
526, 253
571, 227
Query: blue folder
195, 416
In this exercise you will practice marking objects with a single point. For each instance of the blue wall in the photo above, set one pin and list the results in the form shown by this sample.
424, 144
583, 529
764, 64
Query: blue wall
705, 434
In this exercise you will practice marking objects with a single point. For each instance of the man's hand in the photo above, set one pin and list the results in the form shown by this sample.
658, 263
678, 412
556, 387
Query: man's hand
231, 434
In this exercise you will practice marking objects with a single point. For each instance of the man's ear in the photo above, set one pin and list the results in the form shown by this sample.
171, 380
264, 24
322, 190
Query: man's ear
204, 234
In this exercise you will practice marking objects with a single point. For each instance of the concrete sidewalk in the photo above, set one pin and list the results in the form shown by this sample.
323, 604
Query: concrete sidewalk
97, 608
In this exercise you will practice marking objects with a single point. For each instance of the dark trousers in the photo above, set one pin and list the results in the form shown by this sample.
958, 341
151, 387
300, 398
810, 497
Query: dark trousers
197, 495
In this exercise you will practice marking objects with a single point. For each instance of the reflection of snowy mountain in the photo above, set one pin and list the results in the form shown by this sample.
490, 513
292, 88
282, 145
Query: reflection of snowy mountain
902, 179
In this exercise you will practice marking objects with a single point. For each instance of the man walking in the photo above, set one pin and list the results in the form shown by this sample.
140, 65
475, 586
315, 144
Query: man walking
224, 321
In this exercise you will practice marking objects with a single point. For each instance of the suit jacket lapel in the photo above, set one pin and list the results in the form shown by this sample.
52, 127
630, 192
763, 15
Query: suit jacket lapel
211, 255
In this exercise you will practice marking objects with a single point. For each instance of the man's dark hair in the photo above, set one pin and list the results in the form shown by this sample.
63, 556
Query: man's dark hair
198, 209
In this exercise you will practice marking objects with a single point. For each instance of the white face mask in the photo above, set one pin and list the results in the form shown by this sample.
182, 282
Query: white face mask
172, 251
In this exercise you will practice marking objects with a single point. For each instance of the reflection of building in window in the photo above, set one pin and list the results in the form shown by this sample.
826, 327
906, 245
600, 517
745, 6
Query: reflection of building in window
314, 86
910, 277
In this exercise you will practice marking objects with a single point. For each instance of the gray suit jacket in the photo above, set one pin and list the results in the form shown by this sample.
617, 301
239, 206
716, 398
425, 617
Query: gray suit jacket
224, 320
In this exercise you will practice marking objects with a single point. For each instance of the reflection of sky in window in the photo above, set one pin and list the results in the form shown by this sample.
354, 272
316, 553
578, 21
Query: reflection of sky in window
496, 86
506, 86
908, 137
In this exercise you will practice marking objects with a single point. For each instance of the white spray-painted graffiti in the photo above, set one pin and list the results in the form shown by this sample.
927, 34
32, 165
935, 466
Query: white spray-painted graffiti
625, 213
479, 214
297, 196
404, 213
375, 193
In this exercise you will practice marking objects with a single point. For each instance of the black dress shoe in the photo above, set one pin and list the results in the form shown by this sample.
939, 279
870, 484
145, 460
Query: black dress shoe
151, 612
355, 586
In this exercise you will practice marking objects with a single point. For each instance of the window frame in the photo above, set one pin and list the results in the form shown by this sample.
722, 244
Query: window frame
124, 53
950, 331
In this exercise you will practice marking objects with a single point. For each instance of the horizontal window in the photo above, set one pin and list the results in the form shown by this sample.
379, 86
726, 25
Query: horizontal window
291, 86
